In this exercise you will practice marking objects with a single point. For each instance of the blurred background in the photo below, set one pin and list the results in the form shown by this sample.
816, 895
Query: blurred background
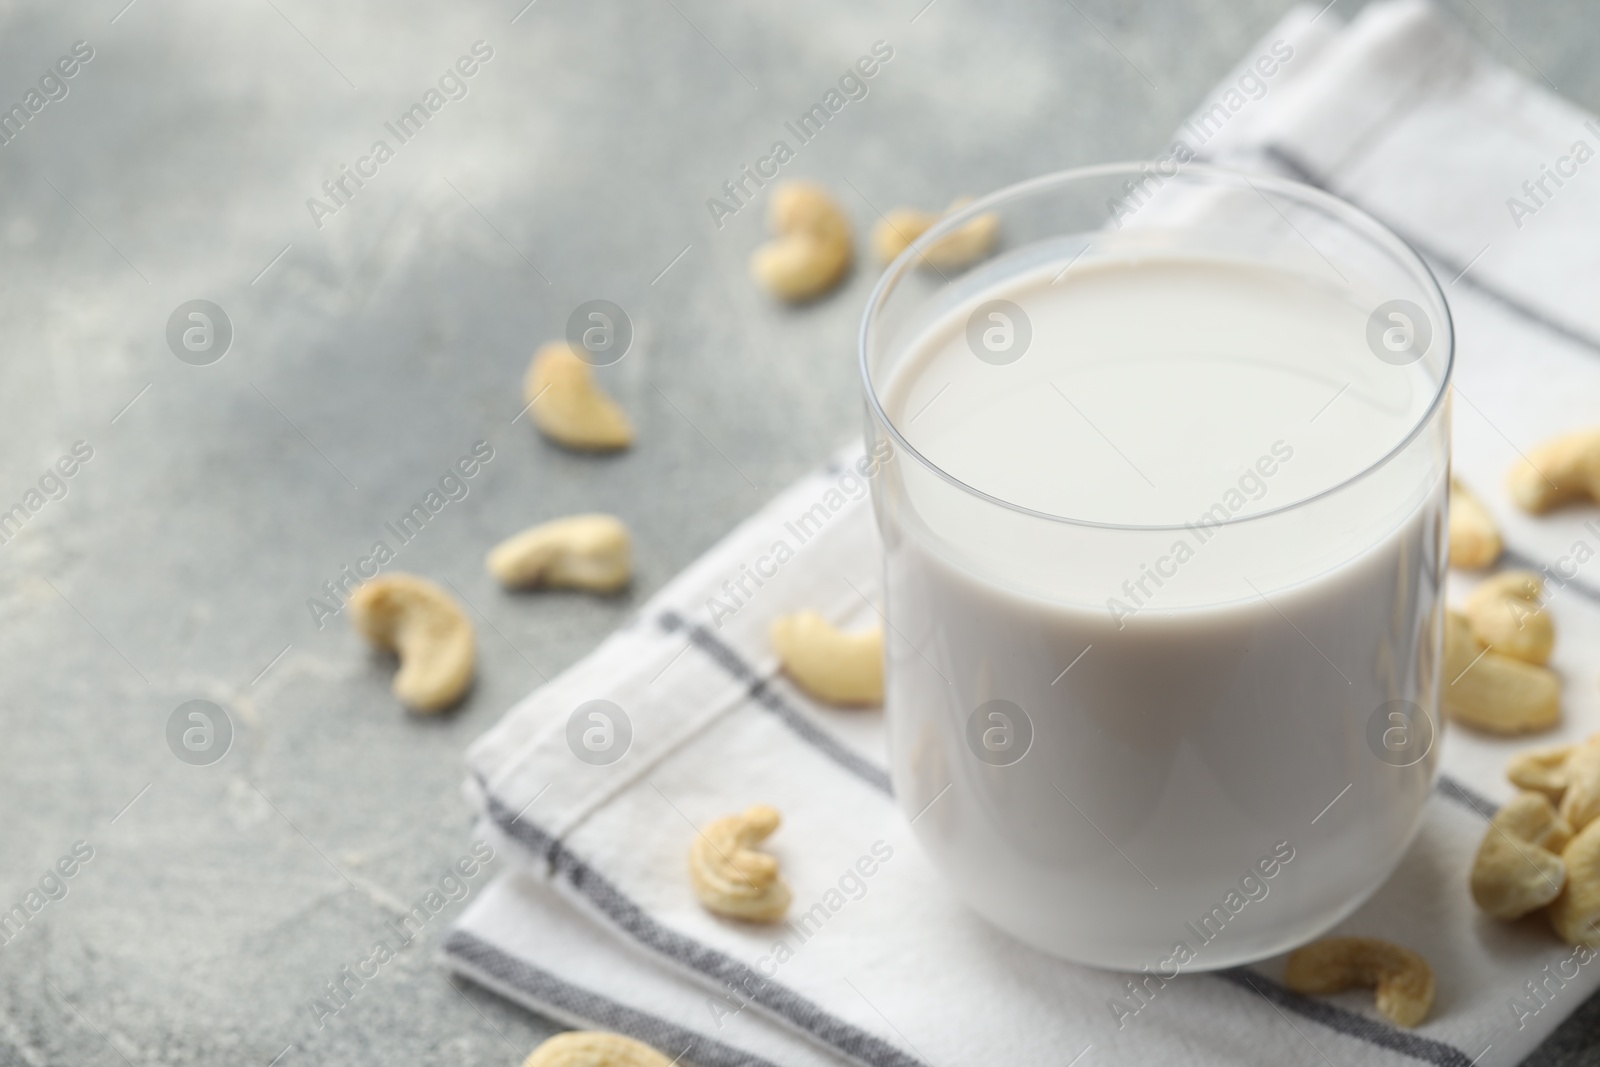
374, 345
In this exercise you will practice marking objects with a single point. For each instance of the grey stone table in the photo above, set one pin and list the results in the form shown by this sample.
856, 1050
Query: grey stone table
375, 340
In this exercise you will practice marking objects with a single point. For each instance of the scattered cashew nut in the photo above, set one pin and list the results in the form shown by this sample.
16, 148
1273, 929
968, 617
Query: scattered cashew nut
567, 405
730, 877
1513, 874
1474, 539
1564, 469
1506, 616
1494, 692
812, 250
1403, 979
420, 622
577, 552
831, 665
1543, 770
895, 231
1518, 868
1575, 914
594, 1048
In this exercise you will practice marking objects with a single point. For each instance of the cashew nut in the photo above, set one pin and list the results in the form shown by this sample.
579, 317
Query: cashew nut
730, 877
1575, 914
1474, 539
1518, 869
1495, 692
1560, 470
1506, 616
895, 231
831, 665
593, 1048
1403, 979
812, 250
1514, 874
568, 406
1543, 770
420, 622
577, 552
1580, 803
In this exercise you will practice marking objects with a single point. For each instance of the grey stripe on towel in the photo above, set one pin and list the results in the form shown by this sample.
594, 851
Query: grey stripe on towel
577, 1002
762, 692
1348, 1022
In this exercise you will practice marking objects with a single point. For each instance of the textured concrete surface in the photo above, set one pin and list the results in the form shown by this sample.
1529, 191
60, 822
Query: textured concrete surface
372, 352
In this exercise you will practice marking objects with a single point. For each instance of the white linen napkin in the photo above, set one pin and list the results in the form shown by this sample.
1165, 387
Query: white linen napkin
879, 964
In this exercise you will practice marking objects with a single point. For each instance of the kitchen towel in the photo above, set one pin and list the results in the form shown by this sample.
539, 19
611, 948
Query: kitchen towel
597, 782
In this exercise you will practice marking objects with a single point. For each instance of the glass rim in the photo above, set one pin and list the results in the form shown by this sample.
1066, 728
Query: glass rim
1342, 210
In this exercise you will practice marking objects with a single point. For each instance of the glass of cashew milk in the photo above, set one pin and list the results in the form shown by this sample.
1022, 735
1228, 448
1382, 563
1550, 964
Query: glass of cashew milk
1164, 527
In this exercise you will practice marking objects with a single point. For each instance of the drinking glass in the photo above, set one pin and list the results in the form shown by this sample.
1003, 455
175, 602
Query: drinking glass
1122, 751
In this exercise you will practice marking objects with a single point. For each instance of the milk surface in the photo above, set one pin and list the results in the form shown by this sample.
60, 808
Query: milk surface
1196, 658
